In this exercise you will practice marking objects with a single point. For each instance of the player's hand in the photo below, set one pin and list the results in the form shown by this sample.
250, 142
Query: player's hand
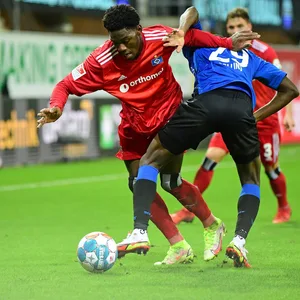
288, 122
242, 39
175, 39
48, 115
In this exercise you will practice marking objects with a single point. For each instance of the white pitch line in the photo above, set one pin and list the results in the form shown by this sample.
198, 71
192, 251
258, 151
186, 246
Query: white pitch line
82, 180
102, 178
61, 182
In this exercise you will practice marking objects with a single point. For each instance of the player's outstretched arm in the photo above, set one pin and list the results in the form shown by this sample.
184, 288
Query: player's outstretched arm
287, 91
196, 38
85, 78
203, 39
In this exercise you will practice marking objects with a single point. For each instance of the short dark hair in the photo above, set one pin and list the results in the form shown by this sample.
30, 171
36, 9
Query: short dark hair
121, 16
238, 12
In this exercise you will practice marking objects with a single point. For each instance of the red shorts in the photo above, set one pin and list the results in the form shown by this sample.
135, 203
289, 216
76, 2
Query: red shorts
217, 142
269, 145
133, 145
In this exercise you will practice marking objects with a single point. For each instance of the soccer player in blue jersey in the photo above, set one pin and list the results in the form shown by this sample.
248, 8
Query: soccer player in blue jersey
223, 101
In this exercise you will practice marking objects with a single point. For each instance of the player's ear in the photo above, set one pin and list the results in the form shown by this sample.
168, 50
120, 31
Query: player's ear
250, 26
139, 28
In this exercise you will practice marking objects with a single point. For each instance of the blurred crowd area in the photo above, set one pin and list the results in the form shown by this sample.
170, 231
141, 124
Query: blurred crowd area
278, 21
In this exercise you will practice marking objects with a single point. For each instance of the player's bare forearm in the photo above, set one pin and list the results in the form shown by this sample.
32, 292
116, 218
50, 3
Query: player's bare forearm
287, 91
188, 18
288, 119
289, 109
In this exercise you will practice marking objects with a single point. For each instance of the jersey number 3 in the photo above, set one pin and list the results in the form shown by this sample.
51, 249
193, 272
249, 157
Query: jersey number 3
241, 57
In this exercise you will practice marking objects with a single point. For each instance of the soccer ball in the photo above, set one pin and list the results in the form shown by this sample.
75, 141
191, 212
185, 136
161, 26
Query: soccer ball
97, 252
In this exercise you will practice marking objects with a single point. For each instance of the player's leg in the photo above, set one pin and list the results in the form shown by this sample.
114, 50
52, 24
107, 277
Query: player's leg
159, 211
269, 152
190, 124
130, 154
241, 138
180, 251
216, 151
248, 205
186, 193
189, 196
144, 195
139, 244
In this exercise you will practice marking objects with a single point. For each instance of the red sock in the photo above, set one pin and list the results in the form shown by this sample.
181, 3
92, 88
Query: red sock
203, 179
279, 188
190, 196
161, 218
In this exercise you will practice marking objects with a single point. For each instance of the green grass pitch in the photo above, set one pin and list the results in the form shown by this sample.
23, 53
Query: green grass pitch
47, 209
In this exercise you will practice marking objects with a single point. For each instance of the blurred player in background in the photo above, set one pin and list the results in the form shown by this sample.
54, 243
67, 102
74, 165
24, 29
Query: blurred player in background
133, 66
268, 131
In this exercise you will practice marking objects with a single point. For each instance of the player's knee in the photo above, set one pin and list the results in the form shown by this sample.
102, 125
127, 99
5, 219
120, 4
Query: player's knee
215, 154
131, 182
273, 173
151, 159
249, 172
170, 181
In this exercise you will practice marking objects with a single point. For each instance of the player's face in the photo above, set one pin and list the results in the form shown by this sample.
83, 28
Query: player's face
128, 42
237, 24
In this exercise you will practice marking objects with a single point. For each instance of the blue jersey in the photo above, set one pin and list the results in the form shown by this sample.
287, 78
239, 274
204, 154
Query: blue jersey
215, 68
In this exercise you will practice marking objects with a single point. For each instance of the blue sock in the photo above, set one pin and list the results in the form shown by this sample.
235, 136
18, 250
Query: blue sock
143, 195
248, 206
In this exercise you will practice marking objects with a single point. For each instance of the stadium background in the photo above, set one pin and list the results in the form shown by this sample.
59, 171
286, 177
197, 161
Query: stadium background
42, 40
47, 208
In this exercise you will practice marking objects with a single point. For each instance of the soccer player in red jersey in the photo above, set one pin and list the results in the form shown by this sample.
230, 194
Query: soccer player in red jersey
268, 130
133, 65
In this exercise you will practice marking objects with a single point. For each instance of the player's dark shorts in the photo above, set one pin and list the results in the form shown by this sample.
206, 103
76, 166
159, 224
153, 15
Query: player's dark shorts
221, 110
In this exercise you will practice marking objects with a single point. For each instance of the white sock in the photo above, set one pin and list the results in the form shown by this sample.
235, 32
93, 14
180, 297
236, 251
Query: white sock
239, 241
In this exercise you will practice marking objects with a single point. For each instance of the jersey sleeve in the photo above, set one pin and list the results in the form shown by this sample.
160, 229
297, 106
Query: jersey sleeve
197, 25
271, 56
199, 38
188, 51
268, 74
85, 78
166, 28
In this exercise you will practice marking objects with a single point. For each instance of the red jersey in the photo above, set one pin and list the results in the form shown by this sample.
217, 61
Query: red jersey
146, 86
263, 93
